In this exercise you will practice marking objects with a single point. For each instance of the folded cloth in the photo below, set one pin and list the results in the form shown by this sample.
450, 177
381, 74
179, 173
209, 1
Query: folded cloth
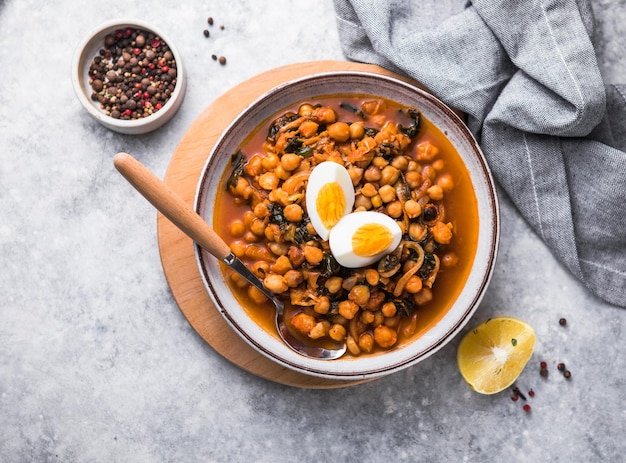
526, 74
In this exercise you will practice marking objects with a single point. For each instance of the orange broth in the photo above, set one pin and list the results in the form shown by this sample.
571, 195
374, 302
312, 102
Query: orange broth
460, 206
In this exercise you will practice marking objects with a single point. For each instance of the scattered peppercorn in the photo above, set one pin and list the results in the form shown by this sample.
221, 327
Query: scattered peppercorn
519, 393
562, 322
543, 365
526, 408
133, 75
214, 57
221, 26
210, 21
514, 397
531, 393
206, 33
567, 374
543, 372
561, 366
222, 60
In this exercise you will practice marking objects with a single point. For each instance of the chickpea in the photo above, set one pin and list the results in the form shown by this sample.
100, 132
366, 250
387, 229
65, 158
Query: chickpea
325, 115
260, 211
254, 167
435, 192
305, 110
412, 208
438, 164
366, 342
356, 130
394, 209
268, 181
302, 322
339, 131
367, 317
337, 332
293, 212
417, 231
413, 285
272, 233
260, 268
237, 228
387, 193
242, 188
359, 294
380, 162
238, 248
389, 309
372, 174
384, 336
333, 284
428, 172
361, 201
449, 260
278, 249
256, 295
426, 151
372, 276
413, 178
290, 161
322, 305
256, 252
445, 182
441, 232
250, 237
248, 217
423, 297
379, 318
376, 201
313, 255
238, 280
308, 129
275, 283
348, 309
319, 330
293, 278
296, 256
258, 227
352, 346
369, 190
281, 173
356, 174
269, 161
410, 327
390, 175
400, 162
282, 265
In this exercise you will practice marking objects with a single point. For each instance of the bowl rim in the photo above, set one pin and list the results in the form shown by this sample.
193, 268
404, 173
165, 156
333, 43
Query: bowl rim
316, 367
80, 62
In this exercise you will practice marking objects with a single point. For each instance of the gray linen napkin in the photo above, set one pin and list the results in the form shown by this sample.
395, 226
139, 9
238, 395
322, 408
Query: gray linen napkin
526, 75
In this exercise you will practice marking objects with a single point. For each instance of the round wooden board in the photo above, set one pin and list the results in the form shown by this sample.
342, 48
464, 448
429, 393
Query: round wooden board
177, 250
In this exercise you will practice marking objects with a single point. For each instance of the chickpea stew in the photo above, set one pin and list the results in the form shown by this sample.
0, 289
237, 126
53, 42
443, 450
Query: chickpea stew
400, 165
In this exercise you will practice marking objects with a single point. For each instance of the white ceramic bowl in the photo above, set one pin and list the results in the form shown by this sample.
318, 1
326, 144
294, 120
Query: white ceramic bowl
83, 57
305, 89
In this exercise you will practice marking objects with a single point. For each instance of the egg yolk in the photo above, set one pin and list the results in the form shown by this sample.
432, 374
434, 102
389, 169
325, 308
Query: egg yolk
330, 204
371, 239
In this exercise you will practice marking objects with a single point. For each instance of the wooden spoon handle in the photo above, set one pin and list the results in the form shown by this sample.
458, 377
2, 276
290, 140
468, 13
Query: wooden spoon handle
170, 205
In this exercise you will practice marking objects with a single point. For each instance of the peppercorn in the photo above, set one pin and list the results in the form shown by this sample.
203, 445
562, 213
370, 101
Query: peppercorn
567, 374
543, 372
210, 21
531, 393
214, 57
526, 408
562, 322
561, 366
222, 60
206, 33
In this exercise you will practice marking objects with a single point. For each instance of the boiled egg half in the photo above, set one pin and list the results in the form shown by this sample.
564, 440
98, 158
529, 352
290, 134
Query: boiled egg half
362, 238
329, 196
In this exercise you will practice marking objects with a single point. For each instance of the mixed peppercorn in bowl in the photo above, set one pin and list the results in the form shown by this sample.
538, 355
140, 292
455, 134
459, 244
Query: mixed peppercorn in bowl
129, 76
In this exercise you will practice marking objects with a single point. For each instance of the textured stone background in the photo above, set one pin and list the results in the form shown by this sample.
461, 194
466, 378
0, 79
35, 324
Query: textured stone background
98, 364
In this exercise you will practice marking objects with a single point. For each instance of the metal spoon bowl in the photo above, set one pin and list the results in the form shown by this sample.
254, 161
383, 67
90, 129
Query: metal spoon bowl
189, 222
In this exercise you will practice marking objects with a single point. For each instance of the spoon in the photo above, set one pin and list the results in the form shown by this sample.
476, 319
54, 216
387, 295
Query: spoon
189, 222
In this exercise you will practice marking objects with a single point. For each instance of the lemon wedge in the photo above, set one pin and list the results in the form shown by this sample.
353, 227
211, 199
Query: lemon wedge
493, 354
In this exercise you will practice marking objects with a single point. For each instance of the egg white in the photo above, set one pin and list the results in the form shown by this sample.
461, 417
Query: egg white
323, 173
340, 239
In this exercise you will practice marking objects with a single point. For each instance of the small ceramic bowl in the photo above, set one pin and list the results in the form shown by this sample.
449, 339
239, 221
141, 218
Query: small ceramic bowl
83, 57
460, 309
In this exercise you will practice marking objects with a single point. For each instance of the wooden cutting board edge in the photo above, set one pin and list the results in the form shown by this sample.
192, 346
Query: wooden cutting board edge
177, 250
